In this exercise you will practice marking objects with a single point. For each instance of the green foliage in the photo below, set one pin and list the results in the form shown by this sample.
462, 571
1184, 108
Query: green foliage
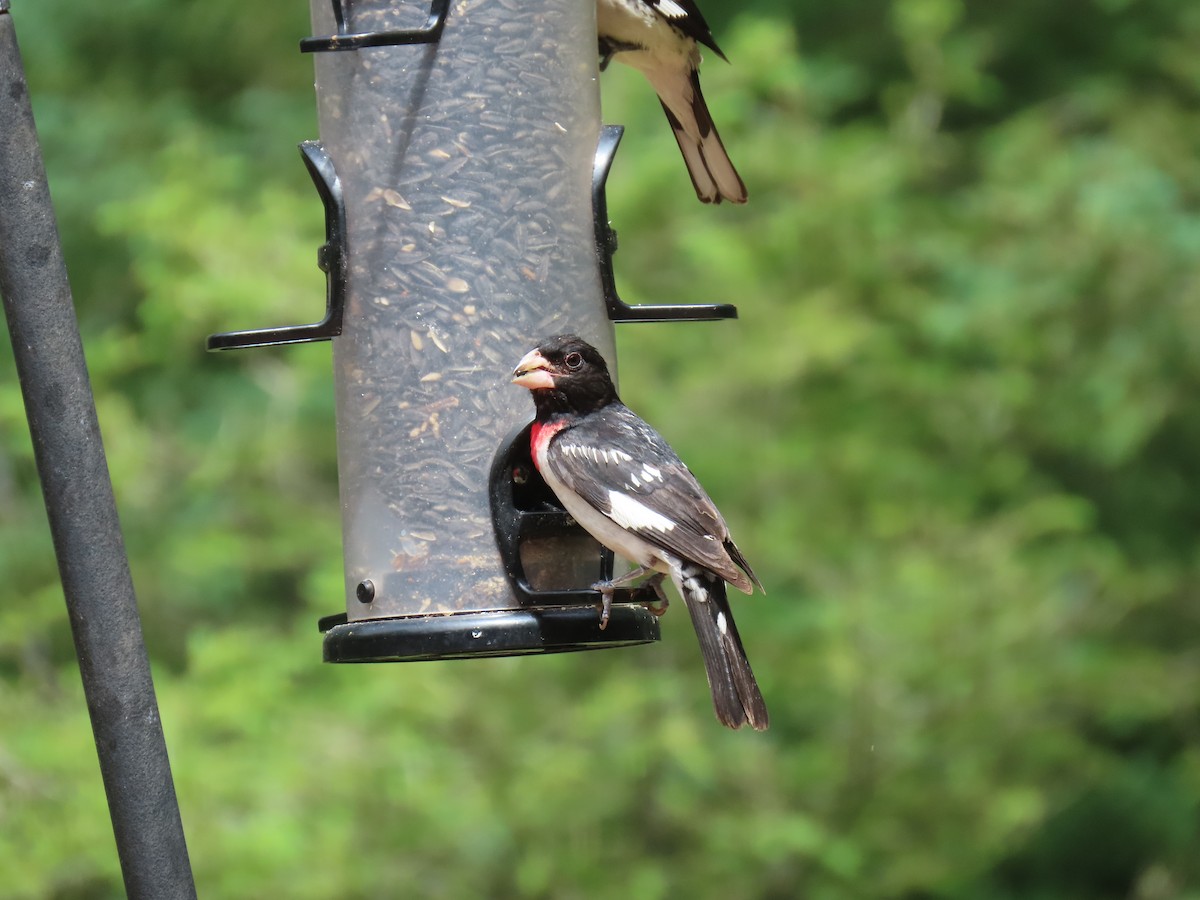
956, 429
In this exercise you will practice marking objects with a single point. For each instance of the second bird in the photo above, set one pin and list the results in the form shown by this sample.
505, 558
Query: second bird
624, 484
660, 39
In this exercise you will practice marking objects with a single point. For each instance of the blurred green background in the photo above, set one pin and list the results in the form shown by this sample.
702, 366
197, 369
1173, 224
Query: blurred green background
957, 431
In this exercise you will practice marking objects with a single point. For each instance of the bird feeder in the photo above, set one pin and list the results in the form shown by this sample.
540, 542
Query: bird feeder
462, 165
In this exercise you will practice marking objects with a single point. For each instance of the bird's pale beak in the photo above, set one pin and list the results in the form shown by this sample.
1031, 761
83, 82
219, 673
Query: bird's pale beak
533, 372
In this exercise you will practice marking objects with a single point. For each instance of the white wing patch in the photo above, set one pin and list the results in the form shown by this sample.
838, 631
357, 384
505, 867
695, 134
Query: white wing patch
671, 9
629, 513
608, 457
649, 472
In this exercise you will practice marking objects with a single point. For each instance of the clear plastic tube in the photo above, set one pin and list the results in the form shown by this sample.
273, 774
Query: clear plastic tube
466, 167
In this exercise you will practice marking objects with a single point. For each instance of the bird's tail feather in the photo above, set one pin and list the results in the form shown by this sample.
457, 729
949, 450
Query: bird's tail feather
713, 175
736, 697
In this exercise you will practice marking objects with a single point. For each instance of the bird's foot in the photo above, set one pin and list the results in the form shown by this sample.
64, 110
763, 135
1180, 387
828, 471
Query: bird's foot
653, 585
604, 607
658, 606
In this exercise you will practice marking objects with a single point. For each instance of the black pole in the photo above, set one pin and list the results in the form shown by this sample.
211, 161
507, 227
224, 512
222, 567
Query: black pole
81, 508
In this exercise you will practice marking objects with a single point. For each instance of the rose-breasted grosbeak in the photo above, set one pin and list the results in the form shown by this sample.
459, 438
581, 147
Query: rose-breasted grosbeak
622, 482
659, 38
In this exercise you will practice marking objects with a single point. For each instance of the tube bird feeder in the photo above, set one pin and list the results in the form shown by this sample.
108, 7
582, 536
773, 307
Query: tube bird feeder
461, 163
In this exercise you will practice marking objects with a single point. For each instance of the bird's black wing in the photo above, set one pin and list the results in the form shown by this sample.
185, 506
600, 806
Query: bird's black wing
628, 472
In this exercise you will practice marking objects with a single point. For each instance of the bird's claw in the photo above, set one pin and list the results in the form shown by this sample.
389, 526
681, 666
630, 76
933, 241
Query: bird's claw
606, 599
657, 608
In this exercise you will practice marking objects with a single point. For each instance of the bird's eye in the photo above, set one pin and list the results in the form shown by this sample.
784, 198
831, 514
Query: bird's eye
574, 362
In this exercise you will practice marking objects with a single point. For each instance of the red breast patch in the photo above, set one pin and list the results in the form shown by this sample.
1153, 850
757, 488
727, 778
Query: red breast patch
539, 438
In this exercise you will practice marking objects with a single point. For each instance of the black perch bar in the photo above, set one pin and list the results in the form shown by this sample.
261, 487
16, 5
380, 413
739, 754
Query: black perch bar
606, 246
332, 259
348, 39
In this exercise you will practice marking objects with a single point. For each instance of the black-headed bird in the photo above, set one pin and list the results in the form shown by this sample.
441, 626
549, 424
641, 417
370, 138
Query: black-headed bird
621, 481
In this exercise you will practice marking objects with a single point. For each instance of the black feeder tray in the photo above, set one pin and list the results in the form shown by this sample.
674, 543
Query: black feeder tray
555, 629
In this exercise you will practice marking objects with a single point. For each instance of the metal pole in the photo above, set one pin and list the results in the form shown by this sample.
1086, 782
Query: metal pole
81, 508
